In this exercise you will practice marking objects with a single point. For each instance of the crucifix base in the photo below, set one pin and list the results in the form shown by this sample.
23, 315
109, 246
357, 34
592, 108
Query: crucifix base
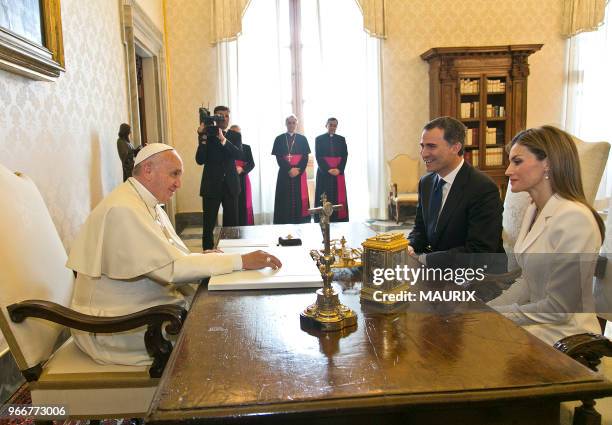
327, 314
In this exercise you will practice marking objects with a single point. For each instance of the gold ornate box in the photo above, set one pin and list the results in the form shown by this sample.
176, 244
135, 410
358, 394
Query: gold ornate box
383, 251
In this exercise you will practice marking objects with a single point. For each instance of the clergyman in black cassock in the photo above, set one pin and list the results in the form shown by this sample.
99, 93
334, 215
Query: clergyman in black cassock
331, 153
291, 202
245, 199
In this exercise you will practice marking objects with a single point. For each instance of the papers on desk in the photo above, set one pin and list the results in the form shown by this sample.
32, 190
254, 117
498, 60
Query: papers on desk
254, 243
298, 271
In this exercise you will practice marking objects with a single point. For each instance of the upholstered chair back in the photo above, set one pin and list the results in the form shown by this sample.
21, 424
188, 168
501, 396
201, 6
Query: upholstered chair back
404, 171
593, 158
32, 266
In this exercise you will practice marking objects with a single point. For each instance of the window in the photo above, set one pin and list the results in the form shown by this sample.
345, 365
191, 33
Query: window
314, 59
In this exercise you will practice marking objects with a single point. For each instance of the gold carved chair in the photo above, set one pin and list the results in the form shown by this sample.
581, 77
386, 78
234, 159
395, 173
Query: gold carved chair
404, 176
35, 292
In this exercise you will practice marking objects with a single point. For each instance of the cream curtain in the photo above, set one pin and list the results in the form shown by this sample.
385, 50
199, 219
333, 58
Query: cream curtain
582, 16
226, 19
374, 17
589, 89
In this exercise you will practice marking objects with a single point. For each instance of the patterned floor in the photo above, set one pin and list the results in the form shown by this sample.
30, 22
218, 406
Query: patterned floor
22, 396
391, 226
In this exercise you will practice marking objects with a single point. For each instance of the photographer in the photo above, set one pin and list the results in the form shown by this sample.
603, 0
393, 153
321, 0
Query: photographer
217, 151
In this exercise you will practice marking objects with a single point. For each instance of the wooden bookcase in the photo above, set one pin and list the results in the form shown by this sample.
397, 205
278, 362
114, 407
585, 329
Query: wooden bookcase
485, 88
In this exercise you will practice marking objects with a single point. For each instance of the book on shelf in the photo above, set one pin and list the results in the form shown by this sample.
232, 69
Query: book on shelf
471, 137
496, 86
468, 86
494, 156
469, 109
495, 111
491, 136
471, 157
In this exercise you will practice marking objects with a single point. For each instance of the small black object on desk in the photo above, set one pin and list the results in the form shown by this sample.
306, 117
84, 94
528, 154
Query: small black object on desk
289, 241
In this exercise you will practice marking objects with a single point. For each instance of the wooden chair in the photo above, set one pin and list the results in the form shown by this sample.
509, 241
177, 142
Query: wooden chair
35, 290
404, 175
588, 349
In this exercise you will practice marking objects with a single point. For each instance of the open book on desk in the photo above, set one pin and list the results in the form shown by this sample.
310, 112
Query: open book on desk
298, 271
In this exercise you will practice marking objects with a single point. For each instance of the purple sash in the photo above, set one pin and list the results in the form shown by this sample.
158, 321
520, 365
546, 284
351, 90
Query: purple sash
333, 162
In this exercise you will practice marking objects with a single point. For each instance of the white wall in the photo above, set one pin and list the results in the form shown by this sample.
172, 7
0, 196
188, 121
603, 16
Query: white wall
416, 26
63, 134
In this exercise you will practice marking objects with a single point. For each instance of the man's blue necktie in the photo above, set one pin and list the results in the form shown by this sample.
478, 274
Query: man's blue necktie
435, 202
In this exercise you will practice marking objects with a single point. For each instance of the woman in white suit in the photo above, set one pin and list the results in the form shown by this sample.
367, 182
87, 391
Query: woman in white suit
558, 242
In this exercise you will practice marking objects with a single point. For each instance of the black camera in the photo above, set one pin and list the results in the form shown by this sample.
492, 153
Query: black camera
209, 120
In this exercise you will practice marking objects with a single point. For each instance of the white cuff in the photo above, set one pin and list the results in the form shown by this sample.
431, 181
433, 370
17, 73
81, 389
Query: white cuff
237, 261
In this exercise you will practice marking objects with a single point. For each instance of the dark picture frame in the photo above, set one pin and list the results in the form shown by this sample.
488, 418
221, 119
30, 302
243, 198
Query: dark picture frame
23, 56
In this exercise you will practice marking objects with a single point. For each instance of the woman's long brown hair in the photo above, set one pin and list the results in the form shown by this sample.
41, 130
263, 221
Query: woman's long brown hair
565, 177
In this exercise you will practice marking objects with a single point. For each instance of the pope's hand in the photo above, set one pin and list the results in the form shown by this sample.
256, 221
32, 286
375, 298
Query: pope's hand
259, 260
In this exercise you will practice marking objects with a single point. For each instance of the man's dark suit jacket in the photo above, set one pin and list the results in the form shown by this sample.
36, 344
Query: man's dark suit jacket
219, 165
470, 222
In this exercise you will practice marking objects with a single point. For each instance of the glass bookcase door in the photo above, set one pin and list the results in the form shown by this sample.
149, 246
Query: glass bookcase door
470, 113
496, 128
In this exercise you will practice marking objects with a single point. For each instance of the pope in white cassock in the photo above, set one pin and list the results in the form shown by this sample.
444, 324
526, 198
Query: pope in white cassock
128, 257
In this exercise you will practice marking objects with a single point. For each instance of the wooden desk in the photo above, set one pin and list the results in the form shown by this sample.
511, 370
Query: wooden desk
242, 358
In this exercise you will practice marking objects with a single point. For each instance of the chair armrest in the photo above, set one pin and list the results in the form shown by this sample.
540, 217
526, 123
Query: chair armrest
394, 189
587, 348
154, 317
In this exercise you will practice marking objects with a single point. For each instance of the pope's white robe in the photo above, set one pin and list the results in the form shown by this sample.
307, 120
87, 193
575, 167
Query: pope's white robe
128, 257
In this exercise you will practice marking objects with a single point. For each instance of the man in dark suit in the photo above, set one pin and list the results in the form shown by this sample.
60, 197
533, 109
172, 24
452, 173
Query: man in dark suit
459, 214
220, 182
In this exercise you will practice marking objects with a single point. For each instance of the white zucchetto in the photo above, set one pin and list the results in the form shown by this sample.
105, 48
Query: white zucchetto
150, 150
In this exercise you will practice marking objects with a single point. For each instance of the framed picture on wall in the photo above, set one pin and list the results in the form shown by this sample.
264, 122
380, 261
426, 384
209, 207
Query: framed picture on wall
31, 38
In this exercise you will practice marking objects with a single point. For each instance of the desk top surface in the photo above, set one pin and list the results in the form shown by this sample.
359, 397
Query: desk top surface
244, 352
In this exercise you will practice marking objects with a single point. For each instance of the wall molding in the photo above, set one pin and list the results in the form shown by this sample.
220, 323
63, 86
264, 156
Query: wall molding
139, 30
